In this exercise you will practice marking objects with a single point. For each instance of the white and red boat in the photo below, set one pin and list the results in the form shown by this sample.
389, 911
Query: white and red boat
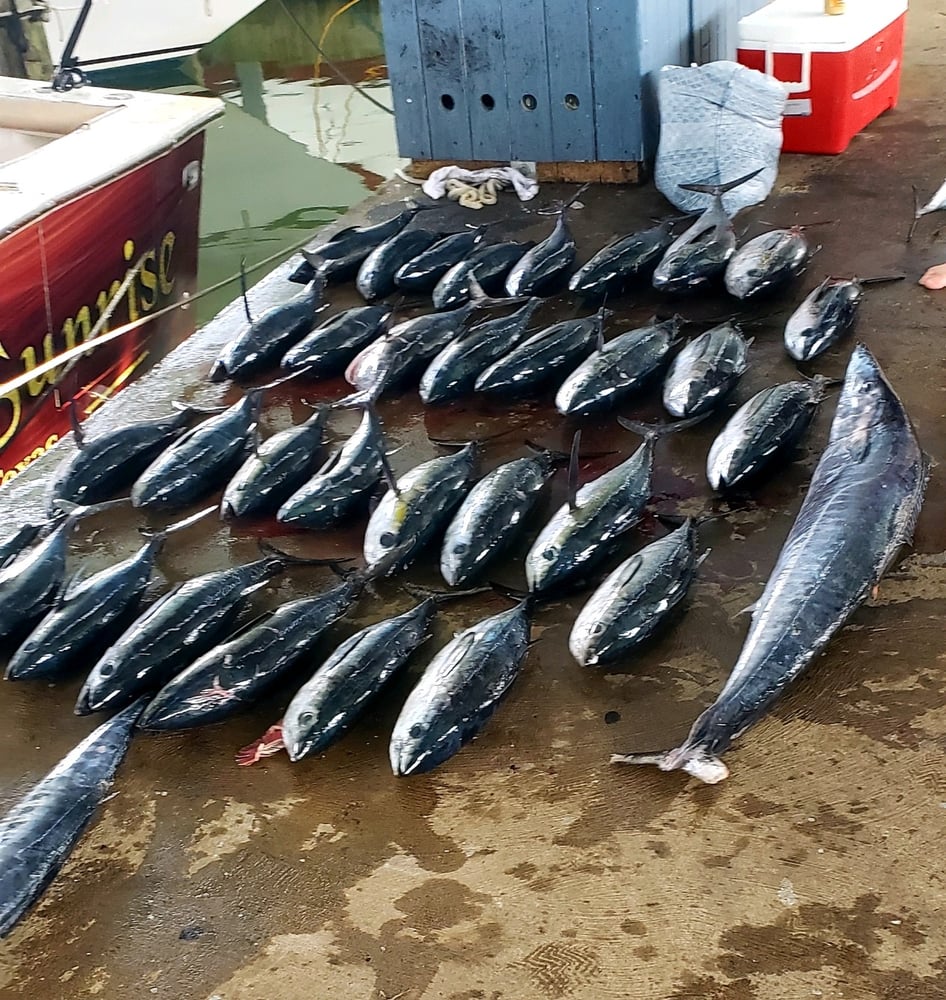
93, 183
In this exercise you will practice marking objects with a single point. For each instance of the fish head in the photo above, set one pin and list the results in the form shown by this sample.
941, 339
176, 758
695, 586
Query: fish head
299, 729
866, 400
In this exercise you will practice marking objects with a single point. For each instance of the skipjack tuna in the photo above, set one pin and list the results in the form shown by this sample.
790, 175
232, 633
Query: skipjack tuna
862, 506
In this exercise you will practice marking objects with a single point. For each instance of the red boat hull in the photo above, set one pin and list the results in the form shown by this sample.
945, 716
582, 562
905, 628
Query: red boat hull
58, 274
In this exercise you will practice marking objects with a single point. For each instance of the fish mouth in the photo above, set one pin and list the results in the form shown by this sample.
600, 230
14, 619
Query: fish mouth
83, 705
297, 749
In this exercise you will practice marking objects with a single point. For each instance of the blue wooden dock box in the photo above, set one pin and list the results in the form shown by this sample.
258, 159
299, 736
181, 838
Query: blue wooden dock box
543, 80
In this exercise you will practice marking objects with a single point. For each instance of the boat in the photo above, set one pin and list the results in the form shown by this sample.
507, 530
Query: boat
99, 209
119, 33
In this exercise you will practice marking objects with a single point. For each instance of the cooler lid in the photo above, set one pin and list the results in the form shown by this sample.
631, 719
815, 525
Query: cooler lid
803, 24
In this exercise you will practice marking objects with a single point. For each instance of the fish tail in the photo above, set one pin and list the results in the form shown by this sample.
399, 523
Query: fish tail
695, 761
718, 190
659, 430
881, 279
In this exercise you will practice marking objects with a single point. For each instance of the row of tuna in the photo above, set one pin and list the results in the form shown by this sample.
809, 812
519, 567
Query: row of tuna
861, 505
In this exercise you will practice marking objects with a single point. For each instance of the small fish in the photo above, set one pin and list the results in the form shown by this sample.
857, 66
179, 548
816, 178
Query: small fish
330, 347
823, 318
621, 261
190, 619
267, 338
541, 358
579, 534
489, 265
339, 258
761, 431
861, 507
278, 468
618, 369
375, 277
88, 613
343, 483
636, 599
546, 261
454, 371
459, 691
39, 832
767, 263
201, 461
706, 371
417, 506
700, 255
108, 464
492, 514
232, 676
422, 273
341, 689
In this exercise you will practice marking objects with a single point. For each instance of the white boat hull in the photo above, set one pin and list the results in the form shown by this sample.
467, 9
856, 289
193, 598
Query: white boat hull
129, 32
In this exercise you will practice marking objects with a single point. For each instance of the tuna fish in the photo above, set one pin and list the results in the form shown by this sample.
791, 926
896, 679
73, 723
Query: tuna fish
343, 483
39, 833
330, 347
618, 369
700, 255
422, 273
109, 463
762, 431
621, 261
418, 506
636, 599
189, 620
459, 691
341, 256
706, 371
375, 277
267, 338
826, 315
861, 507
541, 358
454, 371
767, 263
234, 675
547, 261
87, 615
488, 264
203, 460
278, 468
341, 689
493, 514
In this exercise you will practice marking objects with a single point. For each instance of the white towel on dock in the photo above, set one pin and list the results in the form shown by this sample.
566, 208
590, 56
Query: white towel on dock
436, 184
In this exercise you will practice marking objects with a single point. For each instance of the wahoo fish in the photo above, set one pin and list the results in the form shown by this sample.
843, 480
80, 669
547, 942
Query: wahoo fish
706, 371
39, 833
636, 599
701, 254
618, 368
861, 507
459, 691
762, 431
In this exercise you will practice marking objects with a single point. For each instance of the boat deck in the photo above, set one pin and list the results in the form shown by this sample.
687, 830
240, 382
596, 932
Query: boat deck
527, 866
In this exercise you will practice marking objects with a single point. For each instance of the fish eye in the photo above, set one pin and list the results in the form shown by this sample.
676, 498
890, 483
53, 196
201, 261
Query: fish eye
461, 549
416, 731
387, 539
307, 718
107, 670
550, 553
597, 628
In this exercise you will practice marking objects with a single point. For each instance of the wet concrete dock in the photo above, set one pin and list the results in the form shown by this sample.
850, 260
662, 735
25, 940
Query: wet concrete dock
527, 867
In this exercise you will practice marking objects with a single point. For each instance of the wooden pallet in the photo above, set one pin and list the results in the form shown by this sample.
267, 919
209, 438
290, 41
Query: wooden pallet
607, 172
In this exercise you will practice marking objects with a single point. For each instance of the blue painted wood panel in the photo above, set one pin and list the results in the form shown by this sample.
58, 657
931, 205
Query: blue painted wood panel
570, 83
664, 40
527, 77
441, 48
409, 96
484, 78
616, 56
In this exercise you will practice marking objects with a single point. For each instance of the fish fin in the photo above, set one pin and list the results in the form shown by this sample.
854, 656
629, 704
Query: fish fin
599, 338
658, 430
573, 472
881, 280
246, 301
443, 596
717, 190
269, 549
389, 473
269, 743
704, 766
750, 609
78, 431
68, 589
917, 214
702, 559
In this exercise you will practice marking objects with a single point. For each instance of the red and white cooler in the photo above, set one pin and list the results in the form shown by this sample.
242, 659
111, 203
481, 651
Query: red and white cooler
841, 71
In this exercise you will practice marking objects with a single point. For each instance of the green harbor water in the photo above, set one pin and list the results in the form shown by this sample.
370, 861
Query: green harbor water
298, 145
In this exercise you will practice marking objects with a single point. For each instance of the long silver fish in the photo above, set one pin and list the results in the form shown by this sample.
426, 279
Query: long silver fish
38, 834
862, 505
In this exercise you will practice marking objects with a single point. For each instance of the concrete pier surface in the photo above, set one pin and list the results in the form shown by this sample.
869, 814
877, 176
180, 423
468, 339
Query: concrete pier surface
528, 867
